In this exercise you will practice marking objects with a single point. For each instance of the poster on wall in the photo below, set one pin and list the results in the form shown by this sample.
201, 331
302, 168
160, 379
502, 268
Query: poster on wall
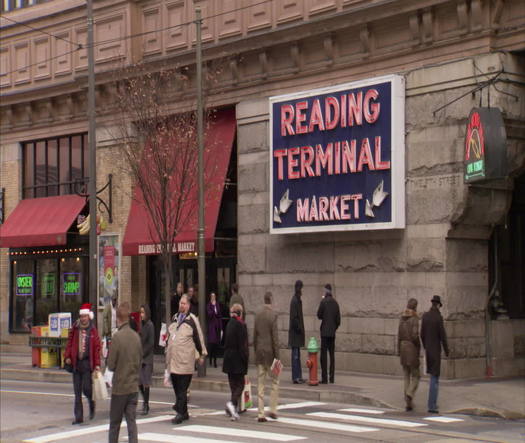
24, 284
108, 267
337, 158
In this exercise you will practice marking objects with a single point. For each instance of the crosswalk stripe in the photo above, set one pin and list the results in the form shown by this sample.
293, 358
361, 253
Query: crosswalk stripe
362, 411
325, 425
90, 430
303, 404
372, 420
239, 432
168, 438
443, 419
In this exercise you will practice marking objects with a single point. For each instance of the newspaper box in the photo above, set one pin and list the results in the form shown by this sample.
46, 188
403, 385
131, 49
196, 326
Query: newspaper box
57, 322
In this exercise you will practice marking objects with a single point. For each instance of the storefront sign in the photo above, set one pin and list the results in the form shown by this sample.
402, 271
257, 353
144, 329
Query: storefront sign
24, 284
48, 284
485, 145
71, 283
337, 158
177, 248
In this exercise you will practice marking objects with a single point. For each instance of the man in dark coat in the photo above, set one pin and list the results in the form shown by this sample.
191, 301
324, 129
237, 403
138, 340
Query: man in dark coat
433, 337
330, 317
266, 347
124, 359
409, 347
235, 362
296, 332
147, 337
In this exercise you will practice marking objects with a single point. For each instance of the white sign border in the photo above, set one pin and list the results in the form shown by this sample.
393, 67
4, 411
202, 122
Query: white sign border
397, 155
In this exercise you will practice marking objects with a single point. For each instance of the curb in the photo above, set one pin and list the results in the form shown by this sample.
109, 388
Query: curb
484, 412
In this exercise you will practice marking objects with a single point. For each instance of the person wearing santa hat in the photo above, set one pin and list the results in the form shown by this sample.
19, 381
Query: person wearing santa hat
83, 353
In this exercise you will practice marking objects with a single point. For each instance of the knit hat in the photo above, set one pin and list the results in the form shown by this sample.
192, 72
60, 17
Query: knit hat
298, 285
328, 288
86, 309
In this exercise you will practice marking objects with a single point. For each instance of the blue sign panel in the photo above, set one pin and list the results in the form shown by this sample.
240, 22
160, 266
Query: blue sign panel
337, 158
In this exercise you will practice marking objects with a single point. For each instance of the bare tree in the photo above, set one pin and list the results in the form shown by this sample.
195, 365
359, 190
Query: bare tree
159, 149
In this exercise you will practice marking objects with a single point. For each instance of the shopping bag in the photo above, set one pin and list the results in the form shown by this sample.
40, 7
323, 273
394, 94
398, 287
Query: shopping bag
167, 379
163, 335
276, 367
105, 347
100, 392
246, 397
108, 377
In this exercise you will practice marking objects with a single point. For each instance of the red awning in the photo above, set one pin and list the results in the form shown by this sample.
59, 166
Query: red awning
141, 238
41, 221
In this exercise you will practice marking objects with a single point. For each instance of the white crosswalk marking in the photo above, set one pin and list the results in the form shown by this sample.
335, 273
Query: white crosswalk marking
325, 425
372, 420
362, 411
303, 404
443, 419
238, 432
90, 430
168, 438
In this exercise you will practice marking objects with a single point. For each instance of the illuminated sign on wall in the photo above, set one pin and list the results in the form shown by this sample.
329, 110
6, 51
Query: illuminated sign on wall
48, 283
71, 283
337, 158
24, 284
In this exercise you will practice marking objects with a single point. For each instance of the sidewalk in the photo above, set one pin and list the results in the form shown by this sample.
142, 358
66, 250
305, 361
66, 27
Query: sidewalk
484, 397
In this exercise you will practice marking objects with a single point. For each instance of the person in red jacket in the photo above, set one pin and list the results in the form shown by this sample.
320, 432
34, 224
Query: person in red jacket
83, 353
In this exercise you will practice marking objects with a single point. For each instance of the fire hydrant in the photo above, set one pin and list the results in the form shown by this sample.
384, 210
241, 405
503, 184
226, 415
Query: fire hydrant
311, 363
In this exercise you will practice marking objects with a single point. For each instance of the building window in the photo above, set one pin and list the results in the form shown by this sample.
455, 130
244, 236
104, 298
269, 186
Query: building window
23, 284
55, 166
11, 5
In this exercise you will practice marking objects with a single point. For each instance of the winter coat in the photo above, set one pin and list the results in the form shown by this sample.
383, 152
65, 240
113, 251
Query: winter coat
125, 360
329, 315
185, 345
235, 347
214, 317
433, 336
265, 336
147, 337
408, 339
94, 346
296, 324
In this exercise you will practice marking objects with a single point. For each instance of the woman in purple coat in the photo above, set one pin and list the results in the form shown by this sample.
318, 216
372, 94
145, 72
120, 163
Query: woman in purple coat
214, 316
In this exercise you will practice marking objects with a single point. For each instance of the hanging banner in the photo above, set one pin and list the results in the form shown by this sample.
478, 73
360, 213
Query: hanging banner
108, 265
337, 158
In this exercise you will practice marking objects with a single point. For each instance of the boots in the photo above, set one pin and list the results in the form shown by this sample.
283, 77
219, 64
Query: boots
91, 409
145, 403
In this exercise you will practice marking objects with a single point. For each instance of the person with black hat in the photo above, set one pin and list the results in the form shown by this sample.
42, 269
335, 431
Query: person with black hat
433, 336
296, 332
330, 317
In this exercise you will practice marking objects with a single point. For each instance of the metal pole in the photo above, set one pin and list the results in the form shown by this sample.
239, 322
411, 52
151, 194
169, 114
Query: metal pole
201, 265
92, 186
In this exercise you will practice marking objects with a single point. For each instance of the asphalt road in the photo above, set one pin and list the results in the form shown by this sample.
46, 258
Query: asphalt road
42, 412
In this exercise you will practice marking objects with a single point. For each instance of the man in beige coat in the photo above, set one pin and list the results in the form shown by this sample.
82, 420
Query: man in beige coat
266, 346
185, 345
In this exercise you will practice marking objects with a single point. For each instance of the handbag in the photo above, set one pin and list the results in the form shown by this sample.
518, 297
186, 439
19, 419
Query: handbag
108, 377
100, 391
246, 397
68, 367
276, 367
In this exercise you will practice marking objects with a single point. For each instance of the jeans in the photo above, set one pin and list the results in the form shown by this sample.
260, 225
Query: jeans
411, 380
263, 372
120, 405
296, 364
82, 383
327, 346
433, 393
181, 383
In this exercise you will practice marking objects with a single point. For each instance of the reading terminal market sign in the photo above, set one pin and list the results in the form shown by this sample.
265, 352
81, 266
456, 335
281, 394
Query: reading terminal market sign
337, 158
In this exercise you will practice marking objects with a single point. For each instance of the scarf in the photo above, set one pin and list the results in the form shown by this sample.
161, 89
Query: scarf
83, 340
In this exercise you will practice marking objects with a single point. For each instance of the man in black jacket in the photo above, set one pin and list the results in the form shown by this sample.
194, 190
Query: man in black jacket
433, 337
296, 332
330, 317
147, 337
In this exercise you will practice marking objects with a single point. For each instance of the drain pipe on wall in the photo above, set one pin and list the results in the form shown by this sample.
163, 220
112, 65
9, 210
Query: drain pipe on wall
489, 372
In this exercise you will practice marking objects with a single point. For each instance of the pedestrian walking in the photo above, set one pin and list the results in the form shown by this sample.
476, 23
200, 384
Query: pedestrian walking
266, 347
147, 338
330, 316
434, 337
214, 316
194, 302
235, 298
185, 345
175, 298
409, 347
83, 354
109, 318
125, 359
235, 362
296, 332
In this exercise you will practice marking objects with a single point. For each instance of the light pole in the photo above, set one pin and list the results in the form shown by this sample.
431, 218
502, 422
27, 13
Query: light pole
92, 186
201, 263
